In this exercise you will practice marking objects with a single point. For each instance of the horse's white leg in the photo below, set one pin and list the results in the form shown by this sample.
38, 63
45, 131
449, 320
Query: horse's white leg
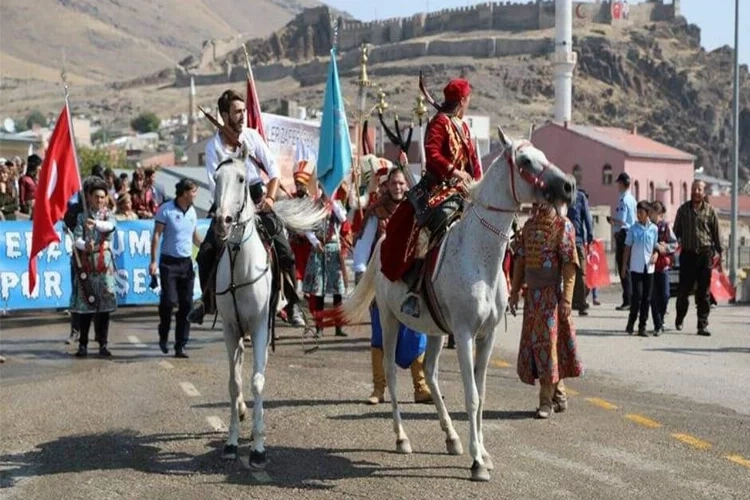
484, 352
390, 327
464, 343
431, 361
235, 353
260, 358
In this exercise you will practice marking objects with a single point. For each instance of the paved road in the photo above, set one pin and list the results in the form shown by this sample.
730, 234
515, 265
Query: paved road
652, 418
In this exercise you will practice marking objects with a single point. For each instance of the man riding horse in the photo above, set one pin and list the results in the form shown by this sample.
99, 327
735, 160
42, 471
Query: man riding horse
451, 160
236, 141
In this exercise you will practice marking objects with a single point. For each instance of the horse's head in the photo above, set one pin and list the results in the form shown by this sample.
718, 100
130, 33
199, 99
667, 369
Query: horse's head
232, 197
533, 178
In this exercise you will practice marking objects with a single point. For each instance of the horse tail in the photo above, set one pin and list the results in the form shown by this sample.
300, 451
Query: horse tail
300, 215
356, 308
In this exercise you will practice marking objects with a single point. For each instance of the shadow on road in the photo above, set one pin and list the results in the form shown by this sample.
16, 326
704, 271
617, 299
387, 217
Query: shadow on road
287, 403
703, 351
127, 449
601, 333
488, 416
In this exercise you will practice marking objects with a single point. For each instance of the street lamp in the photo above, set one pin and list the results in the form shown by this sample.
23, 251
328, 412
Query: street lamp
733, 250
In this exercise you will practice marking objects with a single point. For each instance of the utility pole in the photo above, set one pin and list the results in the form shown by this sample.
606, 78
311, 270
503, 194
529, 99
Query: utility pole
733, 250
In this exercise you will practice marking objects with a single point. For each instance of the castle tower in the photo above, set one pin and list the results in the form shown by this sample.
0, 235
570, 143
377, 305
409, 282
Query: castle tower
564, 60
192, 126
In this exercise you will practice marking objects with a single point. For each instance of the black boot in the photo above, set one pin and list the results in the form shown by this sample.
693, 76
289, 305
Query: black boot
410, 306
197, 313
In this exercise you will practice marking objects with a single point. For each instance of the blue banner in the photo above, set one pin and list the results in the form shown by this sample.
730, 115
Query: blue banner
131, 247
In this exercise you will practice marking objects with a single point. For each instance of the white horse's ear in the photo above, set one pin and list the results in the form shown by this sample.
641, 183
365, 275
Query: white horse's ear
531, 130
504, 139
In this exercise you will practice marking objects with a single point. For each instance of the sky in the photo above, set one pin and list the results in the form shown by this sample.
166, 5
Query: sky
714, 17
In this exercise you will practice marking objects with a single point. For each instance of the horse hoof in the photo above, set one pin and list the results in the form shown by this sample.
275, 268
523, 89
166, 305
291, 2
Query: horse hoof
479, 472
257, 460
403, 446
230, 452
454, 446
488, 462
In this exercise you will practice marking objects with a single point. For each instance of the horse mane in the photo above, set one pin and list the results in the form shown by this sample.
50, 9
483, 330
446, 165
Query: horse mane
472, 186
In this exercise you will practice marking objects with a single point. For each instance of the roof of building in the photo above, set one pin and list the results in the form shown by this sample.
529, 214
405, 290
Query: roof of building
710, 179
626, 141
724, 204
20, 138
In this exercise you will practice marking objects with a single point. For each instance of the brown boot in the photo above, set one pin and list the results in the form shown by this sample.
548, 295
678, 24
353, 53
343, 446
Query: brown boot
560, 398
378, 377
546, 392
422, 393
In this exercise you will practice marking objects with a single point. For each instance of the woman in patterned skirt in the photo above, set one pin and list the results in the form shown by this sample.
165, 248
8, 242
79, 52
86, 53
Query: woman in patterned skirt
325, 273
546, 256
93, 296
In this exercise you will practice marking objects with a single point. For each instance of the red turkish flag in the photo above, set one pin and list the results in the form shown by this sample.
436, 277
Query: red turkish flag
58, 181
597, 270
721, 287
253, 106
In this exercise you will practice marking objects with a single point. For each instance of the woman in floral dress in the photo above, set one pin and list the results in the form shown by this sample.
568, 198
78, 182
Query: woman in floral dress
546, 257
93, 296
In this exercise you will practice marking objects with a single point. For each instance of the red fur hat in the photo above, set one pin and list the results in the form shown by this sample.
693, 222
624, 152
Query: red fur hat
457, 89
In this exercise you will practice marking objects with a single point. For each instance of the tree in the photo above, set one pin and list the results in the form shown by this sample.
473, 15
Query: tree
145, 122
36, 118
108, 158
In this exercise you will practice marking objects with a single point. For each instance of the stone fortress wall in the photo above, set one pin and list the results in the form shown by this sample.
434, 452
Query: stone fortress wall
403, 38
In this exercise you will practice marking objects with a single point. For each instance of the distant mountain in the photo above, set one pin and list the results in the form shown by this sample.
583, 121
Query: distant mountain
110, 40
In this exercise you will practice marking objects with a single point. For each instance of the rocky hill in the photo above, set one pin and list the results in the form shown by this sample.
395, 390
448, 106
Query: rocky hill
110, 40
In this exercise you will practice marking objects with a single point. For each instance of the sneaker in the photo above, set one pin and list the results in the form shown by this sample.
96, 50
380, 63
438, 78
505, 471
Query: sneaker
678, 326
103, 351
340, 332
703, 332
181, 354
82, 351
583, 312
195, 316
658, 331
73, 338
623, 307
597, 303
629, 329
163, 346
642, 331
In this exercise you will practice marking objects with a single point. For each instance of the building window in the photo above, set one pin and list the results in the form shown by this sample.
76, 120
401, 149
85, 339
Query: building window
671, 193
651, 193
607, 175
637, 191
578, 174
683, 195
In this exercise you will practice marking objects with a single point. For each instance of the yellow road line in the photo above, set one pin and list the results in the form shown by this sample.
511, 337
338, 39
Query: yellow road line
739, 459
499, 363
644, 421
692, 441
571, 392
601, 403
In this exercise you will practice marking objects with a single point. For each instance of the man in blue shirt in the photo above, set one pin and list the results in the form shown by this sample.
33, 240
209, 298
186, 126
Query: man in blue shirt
176, 226
621, 222
580, 216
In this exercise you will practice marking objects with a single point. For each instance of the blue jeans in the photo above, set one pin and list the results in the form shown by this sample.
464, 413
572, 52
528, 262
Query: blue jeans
660, 298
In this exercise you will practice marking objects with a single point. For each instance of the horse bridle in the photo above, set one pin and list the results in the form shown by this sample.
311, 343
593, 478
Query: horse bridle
236, 220
534, 180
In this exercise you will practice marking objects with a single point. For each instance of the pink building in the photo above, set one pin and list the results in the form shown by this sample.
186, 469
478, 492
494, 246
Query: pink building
597, 155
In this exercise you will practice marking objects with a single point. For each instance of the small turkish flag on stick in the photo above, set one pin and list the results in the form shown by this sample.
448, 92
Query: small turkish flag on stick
58, 181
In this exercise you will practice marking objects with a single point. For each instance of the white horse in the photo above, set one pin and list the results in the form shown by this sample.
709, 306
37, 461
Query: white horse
470, 287
243, 286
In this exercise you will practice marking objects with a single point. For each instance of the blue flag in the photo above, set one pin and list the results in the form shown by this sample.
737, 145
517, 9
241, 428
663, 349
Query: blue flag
335, 149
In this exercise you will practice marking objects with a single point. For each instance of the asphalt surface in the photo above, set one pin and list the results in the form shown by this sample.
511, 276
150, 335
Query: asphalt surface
665, 417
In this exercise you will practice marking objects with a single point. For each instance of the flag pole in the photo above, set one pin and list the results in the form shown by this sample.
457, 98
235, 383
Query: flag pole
363, 82
64, 77
81, 193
